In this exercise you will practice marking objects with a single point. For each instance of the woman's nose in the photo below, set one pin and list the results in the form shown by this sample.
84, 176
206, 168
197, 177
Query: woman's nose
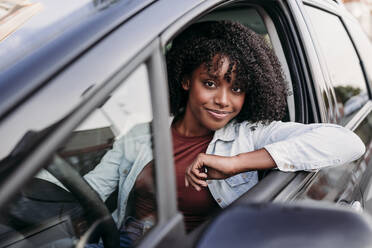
221, 98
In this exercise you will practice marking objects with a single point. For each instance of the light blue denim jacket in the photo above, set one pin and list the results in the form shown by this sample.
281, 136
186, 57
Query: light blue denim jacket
293, 147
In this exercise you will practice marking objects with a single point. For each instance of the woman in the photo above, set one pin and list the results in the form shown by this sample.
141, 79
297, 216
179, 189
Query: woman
227, 96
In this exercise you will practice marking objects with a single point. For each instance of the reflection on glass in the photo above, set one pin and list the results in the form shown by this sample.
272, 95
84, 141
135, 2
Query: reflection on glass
112, 151
343, 93
13, 13
327, 104
349, 100
343, 65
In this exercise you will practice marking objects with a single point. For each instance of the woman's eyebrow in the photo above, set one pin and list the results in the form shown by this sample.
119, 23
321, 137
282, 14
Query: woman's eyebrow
214, 76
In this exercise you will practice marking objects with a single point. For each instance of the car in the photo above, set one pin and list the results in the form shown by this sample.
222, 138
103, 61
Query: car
77, 76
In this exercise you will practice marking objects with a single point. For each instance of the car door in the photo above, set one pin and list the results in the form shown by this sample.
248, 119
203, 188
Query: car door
346, 78
107, 104
132, 97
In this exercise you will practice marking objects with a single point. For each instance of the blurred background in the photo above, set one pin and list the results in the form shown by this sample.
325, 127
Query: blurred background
362, 10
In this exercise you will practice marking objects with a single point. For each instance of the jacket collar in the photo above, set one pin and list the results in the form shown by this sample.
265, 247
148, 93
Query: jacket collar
227, 133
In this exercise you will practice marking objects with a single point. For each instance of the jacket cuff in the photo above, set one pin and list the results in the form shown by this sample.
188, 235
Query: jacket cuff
274, 150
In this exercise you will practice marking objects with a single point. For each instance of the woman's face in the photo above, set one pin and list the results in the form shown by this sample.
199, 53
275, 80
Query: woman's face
212, 100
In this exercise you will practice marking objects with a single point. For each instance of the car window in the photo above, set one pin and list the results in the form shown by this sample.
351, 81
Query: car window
112, 145
342, 61
254, 20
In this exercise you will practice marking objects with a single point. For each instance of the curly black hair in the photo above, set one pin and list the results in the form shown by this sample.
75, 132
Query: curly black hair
258, 71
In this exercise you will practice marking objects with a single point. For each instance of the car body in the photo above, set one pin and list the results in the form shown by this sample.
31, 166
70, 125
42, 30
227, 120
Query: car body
62, 96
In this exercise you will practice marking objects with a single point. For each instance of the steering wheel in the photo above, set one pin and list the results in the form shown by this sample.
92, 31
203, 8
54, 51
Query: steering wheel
89, 200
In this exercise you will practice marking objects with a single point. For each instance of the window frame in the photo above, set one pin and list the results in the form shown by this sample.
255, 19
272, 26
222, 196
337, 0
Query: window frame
168, 217
271, 185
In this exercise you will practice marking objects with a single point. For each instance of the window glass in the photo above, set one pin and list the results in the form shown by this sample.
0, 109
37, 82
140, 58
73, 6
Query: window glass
342, 61
112, 151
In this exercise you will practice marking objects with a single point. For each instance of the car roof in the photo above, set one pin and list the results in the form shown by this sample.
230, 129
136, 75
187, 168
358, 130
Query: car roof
27, 26
51, 35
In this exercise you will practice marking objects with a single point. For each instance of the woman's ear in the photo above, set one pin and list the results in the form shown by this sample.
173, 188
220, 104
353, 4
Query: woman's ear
186, 84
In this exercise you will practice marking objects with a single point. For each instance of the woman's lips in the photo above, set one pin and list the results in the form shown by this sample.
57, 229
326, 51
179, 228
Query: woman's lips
218, 114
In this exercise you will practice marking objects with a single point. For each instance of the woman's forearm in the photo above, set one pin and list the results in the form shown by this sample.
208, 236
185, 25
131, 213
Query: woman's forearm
219, 167
295, 146
255, 160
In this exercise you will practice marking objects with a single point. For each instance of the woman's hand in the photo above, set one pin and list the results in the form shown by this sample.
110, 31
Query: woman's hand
208, 167
220, 167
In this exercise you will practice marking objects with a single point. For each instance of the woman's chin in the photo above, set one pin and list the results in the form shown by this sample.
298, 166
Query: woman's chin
215, 125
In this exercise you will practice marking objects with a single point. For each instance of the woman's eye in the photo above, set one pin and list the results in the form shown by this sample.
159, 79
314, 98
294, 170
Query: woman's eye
236, 90
210, 84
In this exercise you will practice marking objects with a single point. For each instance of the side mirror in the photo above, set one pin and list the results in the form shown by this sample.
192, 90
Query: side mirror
276, 225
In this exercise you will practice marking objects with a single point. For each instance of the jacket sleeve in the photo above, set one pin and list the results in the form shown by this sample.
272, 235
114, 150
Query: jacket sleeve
104, 178
295, 146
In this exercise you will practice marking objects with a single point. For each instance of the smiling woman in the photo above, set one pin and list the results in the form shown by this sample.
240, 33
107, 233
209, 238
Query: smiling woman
86, 103
213, 99
250, 65
227, 96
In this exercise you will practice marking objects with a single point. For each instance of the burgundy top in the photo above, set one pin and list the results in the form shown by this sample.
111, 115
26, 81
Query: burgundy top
196, 206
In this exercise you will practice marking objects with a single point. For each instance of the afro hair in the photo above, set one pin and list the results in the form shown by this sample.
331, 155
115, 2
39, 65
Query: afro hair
257, 70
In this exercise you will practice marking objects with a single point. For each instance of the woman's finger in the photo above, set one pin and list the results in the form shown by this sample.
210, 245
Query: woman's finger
196, 180
197, 187
200, 173
215, 174
198, 170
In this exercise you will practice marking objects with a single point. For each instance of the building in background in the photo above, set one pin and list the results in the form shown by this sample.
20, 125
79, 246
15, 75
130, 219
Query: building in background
362, 10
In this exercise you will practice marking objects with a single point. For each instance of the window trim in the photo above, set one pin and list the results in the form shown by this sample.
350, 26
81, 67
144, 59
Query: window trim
279, 50
295, 57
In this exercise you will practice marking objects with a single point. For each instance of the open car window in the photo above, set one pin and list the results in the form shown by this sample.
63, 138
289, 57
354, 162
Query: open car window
259, 21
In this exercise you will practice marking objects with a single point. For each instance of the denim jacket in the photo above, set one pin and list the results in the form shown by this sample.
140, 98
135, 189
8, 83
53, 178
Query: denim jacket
293, 147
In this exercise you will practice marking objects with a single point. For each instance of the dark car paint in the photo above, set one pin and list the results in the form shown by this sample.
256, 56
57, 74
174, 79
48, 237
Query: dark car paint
27, 76
61, 72
342, 184
262, 225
